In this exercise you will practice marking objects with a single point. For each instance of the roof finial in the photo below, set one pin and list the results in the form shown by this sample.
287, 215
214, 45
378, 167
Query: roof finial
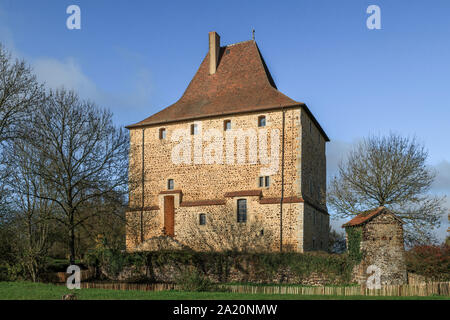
253, 34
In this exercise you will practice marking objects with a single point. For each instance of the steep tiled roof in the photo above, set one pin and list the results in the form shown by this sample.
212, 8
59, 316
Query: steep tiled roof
242, 83
367, 216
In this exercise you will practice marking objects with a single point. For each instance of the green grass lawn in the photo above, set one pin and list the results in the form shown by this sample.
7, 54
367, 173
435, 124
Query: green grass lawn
40, 291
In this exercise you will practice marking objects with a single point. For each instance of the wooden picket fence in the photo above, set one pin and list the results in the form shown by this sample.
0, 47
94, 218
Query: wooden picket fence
129, 286
424, 289
427, 289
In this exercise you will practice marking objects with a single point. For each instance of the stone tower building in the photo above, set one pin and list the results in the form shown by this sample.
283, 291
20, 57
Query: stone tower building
233, 151
381, 245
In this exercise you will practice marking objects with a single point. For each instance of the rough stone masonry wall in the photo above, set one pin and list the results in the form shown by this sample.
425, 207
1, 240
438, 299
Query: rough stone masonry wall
382, 246
312, 167
221, 231
316, 229
169, 273
210, 181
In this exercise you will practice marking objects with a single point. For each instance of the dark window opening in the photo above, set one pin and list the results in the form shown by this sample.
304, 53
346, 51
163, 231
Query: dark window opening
194, 129
227, 125
261, 182
170, 184
264, 181
242, 210
162, 133
202, 219
261, 121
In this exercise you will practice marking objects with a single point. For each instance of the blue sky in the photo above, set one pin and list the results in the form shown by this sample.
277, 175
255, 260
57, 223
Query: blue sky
137, 57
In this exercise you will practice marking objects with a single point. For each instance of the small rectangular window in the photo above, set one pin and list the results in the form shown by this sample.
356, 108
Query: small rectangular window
162, 133
264, 181
227, 125
261, 182
194, 129
170, 184
261, 121
202, 219
242, 210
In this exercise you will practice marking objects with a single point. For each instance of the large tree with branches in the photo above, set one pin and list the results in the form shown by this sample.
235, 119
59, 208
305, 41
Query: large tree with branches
82, 158
20, 93
389, 171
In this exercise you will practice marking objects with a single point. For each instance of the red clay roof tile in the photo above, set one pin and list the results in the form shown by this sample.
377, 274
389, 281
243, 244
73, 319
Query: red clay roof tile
367, 216
242, 83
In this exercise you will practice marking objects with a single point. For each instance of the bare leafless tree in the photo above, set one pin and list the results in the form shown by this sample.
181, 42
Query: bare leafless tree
31, 214
223, 233
389, 171
20, 93
82, 157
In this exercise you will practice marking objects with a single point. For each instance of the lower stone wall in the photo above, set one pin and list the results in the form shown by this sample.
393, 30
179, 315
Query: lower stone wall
170, 274
221, 231
312, 271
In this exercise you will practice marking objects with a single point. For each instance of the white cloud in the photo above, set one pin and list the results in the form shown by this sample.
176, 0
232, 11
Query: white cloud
442, 181
68, 74
336, 152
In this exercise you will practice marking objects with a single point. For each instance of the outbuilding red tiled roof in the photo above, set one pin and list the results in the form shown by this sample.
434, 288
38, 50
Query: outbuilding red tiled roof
367, 216
241, 83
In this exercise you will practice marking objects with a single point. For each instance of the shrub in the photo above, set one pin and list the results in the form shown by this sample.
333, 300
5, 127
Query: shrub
194, 281
429, 261
354, 236
218, 265
4, 276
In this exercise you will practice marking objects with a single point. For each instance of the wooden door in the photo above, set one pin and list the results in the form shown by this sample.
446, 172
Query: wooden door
169, 215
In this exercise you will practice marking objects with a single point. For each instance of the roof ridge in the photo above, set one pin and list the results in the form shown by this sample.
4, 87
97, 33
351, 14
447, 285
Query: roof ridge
234, 44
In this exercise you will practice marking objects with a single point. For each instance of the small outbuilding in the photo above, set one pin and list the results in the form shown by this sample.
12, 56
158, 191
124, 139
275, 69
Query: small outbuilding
376, 238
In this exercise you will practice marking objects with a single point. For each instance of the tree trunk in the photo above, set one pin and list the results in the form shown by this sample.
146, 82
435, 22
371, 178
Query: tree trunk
72, 240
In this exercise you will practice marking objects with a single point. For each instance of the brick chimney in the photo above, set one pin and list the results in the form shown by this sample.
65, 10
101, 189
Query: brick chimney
214, 50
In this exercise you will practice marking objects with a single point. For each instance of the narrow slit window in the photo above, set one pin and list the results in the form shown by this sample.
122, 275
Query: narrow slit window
261, 182
170, 184
261, 121
242, 210
162, 133
202, 219
227, 125
194, 129
267, 181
